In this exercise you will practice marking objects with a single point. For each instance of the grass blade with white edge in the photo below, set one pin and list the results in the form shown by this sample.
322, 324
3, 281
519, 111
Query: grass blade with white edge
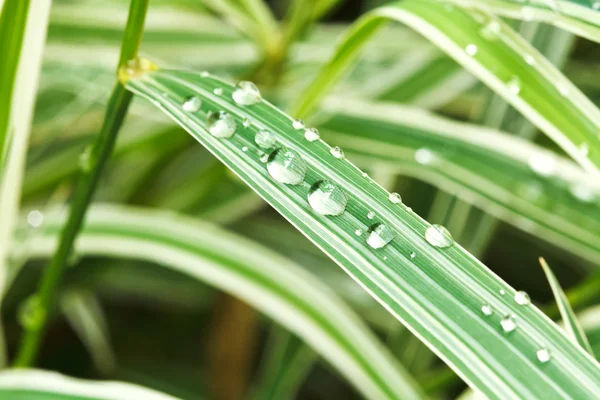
520, 183
494, 53
263, 279
33, 384
580, 17
571, 324
414, 269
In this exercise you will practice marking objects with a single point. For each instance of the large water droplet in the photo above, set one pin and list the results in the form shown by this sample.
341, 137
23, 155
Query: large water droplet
395, 198
543, 355
287, 166
486, 309
379, 235
439, 236
508, 323
522, 298
35, 218
471, 49
265, 139
542, 163
298, 124
337, 152
246, 93
327, 198
220, 124
192, 104
312, 134
30, 313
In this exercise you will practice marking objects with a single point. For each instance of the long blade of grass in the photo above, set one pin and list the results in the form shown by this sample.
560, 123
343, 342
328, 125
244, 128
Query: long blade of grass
498, 56
493, 170
572, 326
268, 282
32, 384
433, 286
577, 16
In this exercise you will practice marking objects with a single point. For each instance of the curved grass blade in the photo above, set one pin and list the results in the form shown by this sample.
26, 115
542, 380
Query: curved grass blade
572, 326
510, 178
437, 292
580, 17
33, 384
494, 53
268, 282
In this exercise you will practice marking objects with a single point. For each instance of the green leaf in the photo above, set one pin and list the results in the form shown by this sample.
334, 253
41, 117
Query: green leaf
502, 174
265, 280
32, 384
438, 293
572, 326
494, 53
577, 16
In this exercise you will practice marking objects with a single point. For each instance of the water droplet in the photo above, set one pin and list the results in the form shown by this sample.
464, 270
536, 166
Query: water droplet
135, 68
358, 232
514, 85
337, 152
246, 94
543, 355
542, 163
424, 156
413, 254
379, 235
471, 49
30, 314
439, 236
218, 91
491, 30
312, 134
86, 160
502, 292
582, 192
395, 198
486, 309
287, 166
298, 124
265, 139
327, 198
562, 89
192, 104
529, 59
264, 158
35, 218
245, 148
522, 298
246, 122
371, 215
508, 323
221, 124
584, 149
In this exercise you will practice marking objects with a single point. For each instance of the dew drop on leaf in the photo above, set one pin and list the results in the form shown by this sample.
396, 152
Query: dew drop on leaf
35, 218
371, 215
542, 163
543, 355
286, 166
424, 156
413, 254
246, 122
264, 158
508, 323
486, 309
192, 104
471, 49
514, 85
582, 192
327, 198
221, 124
439, 236
395, 198
218, 91
337, 152
522, 298
265, 139
298, 124
312, 134
246, 94
379, 236
358, 232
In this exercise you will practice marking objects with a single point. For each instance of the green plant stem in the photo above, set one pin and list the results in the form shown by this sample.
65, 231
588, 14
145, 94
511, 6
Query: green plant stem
116, 111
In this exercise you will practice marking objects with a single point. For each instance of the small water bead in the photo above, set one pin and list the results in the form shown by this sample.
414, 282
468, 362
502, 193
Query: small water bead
218, 91
245, 148
30, 313
221, 124
508, 323
204, 74
514, 85
491, 30
542, 163
424, 156
471, 49
337, 152
562, 89
502, 292
246, 94
543, 355
192, 104
286, 166
264, 158
379, 235
358, 232
312, 134
439, 236
395, 198
298, 124
246, 122
529, 59
35, 218
486, 309
413, 254
522, 298
582, 192
265, 139
326, 198
371, 215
